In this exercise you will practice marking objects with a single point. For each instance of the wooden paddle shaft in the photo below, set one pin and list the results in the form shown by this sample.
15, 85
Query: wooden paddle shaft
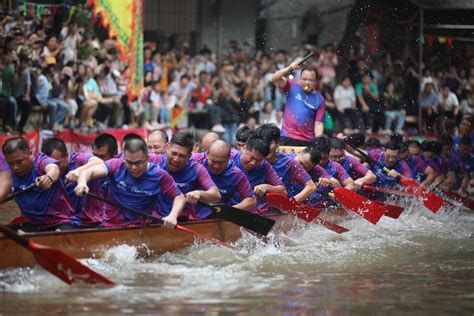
8, 232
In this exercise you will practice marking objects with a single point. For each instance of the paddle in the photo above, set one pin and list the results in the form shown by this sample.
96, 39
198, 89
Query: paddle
393, 211
303, 211
19, 192
359, 204
160, 221
58, 263
467, 202
257, 223
432, 201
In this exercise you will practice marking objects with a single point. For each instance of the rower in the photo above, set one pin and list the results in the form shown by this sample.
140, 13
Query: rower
354, 168
233, 185
105, 146
430, 154
421, 171
297, 181
334, 169
70, 165
208, 139
125, 139
191, 177
467, 160
134, 182
262, 177
46, 207
5, 178
453, 173
157, 141
241, 136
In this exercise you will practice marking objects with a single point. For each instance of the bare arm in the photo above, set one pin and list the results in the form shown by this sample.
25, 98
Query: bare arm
369, 178
247, 204
278, 77
172, 219
212, 195
261, 189
309, 188
430, 177
73, 175
6, 184
92, 173
318, 129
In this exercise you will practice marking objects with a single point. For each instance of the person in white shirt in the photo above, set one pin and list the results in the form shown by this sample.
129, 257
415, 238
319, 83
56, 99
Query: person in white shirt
449, 107
346, 115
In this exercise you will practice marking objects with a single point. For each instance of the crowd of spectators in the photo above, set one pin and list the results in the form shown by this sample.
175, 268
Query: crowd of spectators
42, 69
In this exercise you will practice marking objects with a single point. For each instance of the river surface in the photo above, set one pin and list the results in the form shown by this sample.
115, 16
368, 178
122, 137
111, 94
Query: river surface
420, 264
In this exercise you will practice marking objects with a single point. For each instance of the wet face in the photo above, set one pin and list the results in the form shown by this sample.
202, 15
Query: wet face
20, 162
336, 155
63, 161
217, 160
136, 163
304, 159
308, 81
102, 152
391, 157
250, 159
324, 159
178, 157
157, 143
414, 150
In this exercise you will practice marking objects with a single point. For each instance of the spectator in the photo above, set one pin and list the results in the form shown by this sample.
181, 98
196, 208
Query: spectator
368, 97
429, 102
22, 91
346, 114
449, 107
393, 111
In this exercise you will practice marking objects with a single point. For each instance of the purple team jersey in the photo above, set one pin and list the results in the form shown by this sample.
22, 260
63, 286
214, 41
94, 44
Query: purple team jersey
88, 210
292, 174
3, 163
153, 193
417, 166
336, 171
354, 168
193, 177
45, 208
261, 174
302, 110
383, 179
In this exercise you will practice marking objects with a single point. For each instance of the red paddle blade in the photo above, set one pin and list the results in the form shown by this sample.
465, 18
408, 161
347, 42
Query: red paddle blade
359, 204
65, 267
18, 220
303, 211
458, 197
215, 240
432, 201
393, 211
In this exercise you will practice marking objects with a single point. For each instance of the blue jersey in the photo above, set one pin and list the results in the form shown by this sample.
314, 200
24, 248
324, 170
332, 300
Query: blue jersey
153, 192
46, 208
383, 179
292, 174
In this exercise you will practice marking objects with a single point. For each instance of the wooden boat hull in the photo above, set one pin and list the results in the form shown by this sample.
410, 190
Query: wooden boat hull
149, 240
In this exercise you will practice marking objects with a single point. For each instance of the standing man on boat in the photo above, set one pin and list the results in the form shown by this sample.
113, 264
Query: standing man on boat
262, 177
46, 205
297, 181
191, 177
232, 183
305, 107
88, 210
134, 182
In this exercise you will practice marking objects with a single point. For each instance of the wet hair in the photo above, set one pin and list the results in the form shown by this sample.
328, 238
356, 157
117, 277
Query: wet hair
108, 140
403, 147
414, 143
269, 132
184, 139
14, 144
130, 136
396, 138
466, 140
356, 139
322, 144
314, 154
243, 134
446, 140
53, 144
337, 144
135, 145
392, 145
258, 144
372, 143
161, 132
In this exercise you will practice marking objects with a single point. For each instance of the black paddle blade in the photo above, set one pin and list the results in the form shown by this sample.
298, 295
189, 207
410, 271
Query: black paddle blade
257, 223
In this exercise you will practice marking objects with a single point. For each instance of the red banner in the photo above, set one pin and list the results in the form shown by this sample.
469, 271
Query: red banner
32, 137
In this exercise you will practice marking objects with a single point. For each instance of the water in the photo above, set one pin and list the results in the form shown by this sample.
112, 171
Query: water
420, 264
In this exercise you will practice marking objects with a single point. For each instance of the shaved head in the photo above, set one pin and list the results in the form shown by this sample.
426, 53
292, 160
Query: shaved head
220, 146
218, 156
208, 139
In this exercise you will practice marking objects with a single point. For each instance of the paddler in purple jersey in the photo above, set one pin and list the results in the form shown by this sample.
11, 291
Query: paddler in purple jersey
88, 210
420, 170
262, 177
304, 109
191, 177
5, 178
157, 141
234, 187
136, 183
354, 168
46, 206
297, 181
